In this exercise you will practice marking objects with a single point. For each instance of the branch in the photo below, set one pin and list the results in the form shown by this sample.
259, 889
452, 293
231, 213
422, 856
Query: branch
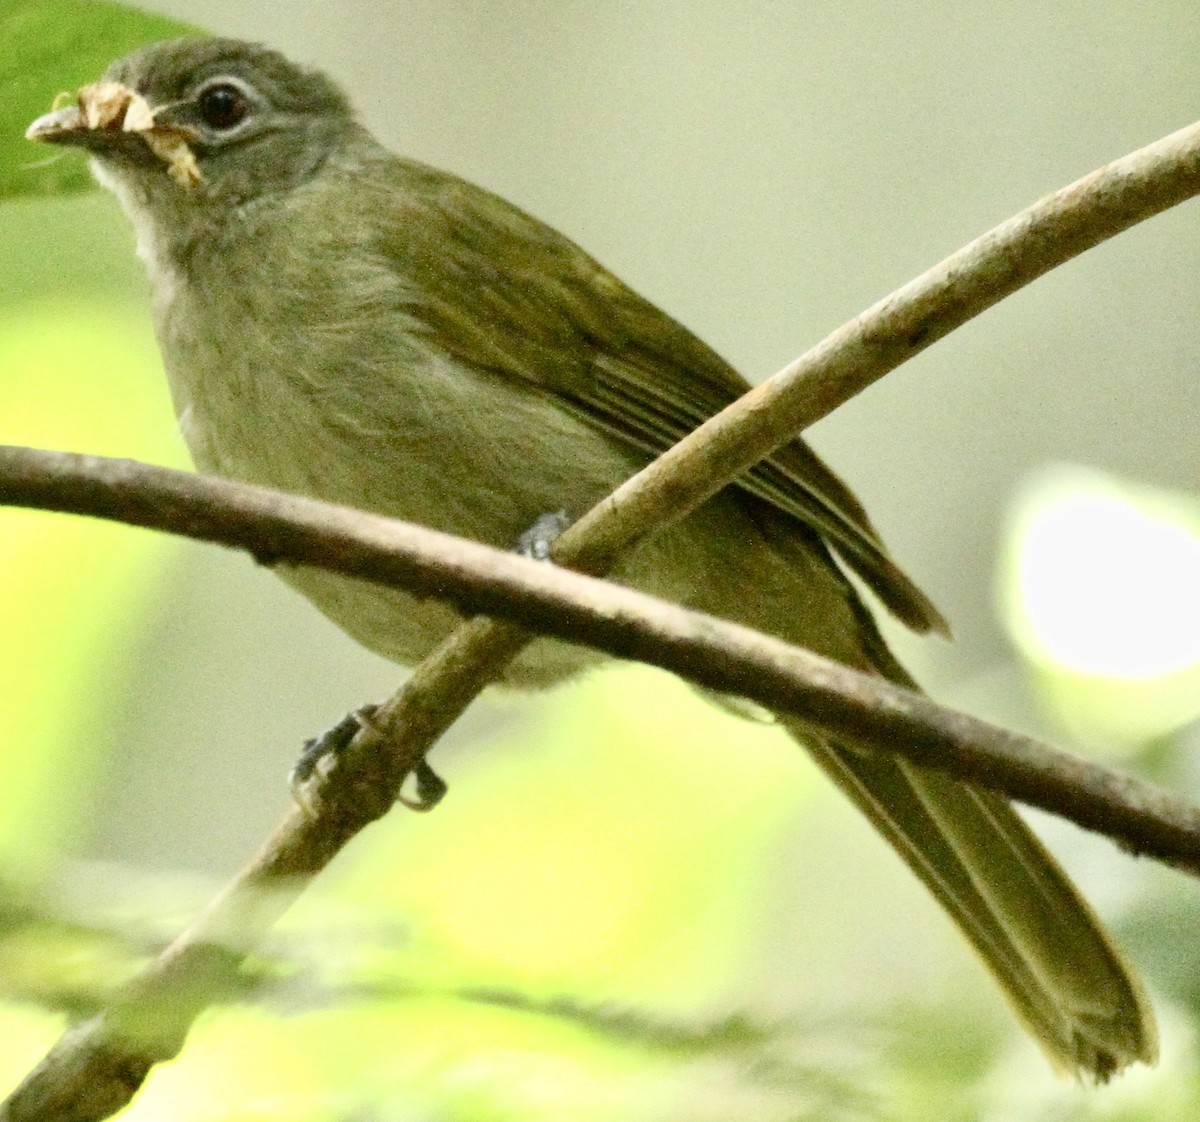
96, 1068
1043, 236
833, 699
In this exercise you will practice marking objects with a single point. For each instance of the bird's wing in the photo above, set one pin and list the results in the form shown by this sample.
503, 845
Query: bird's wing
501, 290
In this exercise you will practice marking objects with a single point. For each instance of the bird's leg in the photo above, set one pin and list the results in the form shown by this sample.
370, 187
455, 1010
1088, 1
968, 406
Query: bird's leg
320, 756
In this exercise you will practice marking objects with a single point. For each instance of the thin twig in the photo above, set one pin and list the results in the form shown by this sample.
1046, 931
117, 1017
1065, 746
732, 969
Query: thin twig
96, 1068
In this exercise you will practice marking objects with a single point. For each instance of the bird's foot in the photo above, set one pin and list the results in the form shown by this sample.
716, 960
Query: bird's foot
320, 756
536, 542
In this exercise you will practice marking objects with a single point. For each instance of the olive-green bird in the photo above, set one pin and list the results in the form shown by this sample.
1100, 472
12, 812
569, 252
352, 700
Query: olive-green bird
340, 322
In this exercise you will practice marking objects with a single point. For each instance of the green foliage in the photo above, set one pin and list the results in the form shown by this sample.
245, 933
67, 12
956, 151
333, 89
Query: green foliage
50, 47
93, 388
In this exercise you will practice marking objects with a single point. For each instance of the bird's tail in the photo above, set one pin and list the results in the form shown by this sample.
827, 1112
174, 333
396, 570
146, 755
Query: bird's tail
1066, 980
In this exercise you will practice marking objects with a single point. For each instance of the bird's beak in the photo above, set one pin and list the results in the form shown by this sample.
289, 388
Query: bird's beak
99, 120
62, 126
109, 117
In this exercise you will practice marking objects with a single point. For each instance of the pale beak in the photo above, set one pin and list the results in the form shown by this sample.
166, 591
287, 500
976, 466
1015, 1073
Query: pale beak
63, 126
68, 126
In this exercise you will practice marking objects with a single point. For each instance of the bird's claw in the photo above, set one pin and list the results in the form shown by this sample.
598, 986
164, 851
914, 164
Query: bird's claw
536, 542
320, 755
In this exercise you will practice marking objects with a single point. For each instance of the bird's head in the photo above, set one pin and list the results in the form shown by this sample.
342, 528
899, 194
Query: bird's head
194, 122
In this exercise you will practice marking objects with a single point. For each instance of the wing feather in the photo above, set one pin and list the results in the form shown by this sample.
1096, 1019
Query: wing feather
502, 291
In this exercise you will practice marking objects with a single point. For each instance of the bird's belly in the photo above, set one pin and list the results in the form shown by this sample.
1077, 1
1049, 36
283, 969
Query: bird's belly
404, 629
474, 459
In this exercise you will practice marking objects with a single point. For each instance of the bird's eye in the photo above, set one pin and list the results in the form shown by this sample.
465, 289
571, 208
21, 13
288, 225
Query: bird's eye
223, 105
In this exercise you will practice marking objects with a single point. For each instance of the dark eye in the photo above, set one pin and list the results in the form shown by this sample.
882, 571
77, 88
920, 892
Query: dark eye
223, 105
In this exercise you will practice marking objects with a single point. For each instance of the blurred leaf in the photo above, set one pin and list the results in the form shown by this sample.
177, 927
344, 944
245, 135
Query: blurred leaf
72, 586
444, 1058
303, 1046
58, 961
51, 46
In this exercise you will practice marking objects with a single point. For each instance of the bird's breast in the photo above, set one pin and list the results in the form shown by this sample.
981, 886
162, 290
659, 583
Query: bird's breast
341, 396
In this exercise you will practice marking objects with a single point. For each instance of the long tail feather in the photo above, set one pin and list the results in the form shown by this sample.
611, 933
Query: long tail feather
1037, 935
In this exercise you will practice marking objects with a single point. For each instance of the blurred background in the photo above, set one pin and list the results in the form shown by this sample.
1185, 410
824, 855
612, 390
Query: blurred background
630, 905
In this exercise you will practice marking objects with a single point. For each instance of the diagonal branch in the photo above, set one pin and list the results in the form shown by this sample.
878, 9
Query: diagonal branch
1045, 235
96, 1068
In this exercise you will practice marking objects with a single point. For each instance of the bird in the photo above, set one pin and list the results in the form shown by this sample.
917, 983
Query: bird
345, 323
